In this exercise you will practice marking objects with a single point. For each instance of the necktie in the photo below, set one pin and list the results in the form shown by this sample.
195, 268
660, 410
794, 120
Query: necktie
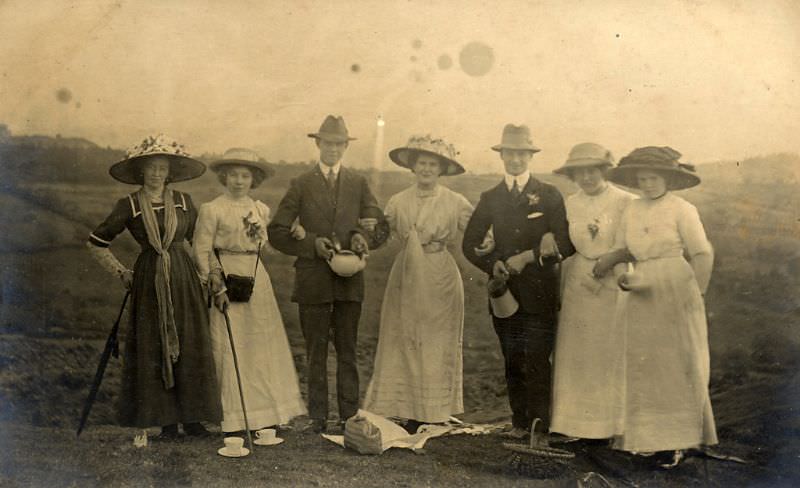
515, 193
330, 179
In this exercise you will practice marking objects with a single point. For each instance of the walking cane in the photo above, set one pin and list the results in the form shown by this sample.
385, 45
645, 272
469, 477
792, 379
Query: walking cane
238, 376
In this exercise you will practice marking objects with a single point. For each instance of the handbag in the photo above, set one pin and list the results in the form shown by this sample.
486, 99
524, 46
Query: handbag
239, 288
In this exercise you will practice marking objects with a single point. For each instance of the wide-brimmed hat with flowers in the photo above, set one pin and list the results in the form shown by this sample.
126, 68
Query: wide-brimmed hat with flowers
239, 156
446, 153
182, 167
661, 159
587, 154
516, 137
332, 129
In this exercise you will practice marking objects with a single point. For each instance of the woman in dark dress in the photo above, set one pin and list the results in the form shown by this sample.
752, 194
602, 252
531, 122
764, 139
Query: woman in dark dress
168, 370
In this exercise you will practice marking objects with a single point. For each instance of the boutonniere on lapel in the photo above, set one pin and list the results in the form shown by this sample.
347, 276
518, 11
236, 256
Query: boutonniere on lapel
253, 228
533, 203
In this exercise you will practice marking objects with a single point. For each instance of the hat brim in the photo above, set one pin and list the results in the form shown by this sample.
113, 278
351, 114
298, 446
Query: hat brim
181, 168
400, 157
500, 147
679, 179
325, 136
582, 163
265, 168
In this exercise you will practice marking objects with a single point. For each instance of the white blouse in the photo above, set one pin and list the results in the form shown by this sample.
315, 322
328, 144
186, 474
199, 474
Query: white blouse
223, 224
593, 219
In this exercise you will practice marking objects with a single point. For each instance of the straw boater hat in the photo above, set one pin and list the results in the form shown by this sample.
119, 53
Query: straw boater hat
332, 129
586, 155
660, 159
239, 156
427, 145
182, 167
516, 137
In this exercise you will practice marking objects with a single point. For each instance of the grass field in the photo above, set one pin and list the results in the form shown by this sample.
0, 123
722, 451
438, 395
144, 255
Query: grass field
56, 306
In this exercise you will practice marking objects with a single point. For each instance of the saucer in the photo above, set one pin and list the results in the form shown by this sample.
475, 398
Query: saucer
273, 442
224, 452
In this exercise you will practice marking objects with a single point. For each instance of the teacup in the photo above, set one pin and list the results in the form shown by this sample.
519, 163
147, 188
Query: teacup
233, 445
266, 435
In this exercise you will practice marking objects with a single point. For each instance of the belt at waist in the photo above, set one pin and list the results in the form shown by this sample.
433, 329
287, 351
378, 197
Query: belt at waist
236, 253
656, 258
434, 246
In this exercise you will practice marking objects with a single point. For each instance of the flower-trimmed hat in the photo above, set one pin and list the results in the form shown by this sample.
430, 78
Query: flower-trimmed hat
587, 154
182, 167
446, 153
332, 129
239, 156
661, 159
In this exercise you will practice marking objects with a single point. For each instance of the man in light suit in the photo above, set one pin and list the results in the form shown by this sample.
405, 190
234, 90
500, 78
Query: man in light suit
530, 229
334, 205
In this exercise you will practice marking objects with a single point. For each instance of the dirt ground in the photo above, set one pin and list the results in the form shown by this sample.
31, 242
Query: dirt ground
56, 307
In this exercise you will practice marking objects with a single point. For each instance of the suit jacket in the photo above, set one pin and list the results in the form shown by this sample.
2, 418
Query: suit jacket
323, 215
518, 226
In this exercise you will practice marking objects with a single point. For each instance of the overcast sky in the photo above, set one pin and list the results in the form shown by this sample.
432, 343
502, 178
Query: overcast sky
713, 79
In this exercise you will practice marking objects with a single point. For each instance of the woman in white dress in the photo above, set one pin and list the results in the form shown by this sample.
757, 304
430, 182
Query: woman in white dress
666, 406
235, 225
418, 363
588, 355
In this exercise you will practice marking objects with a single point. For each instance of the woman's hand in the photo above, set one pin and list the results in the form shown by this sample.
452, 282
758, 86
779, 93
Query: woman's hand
358, 244
127, 279
221, 301
486, 247
297, 230
548, 246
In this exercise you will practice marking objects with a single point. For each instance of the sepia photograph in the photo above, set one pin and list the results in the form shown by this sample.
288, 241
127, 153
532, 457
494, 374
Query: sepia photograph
367, 243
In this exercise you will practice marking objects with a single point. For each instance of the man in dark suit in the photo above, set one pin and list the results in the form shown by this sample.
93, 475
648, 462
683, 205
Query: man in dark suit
530, 232
335, 207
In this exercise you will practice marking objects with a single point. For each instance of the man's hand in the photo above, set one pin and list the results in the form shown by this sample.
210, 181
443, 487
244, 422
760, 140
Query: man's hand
368, 223
358, 244
499, 270
324, 247
516, 263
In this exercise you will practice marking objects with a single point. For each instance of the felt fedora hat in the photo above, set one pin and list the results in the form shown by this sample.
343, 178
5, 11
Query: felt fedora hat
239, 156
516, 137
585, 155
446, 153
332, 129
664, 160
182, 166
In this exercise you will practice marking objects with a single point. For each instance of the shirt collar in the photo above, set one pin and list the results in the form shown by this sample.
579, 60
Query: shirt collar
325, 168
521, 179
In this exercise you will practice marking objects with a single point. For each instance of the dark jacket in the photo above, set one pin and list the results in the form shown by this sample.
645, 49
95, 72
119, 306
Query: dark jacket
322, 215
516, 229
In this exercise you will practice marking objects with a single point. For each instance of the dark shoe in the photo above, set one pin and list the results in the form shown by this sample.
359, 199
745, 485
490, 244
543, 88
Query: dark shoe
196, 429
412, 426
168, 433
319, 426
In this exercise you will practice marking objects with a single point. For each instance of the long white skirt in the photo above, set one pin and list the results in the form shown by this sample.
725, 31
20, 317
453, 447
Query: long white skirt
269, 379
666, 403
418, 364
589, 355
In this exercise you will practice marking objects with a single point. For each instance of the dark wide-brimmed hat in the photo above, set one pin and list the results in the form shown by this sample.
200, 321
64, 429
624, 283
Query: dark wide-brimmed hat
516, 137
333, 129
239, 156
182, 167
587, 154
446, 153
660, 159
